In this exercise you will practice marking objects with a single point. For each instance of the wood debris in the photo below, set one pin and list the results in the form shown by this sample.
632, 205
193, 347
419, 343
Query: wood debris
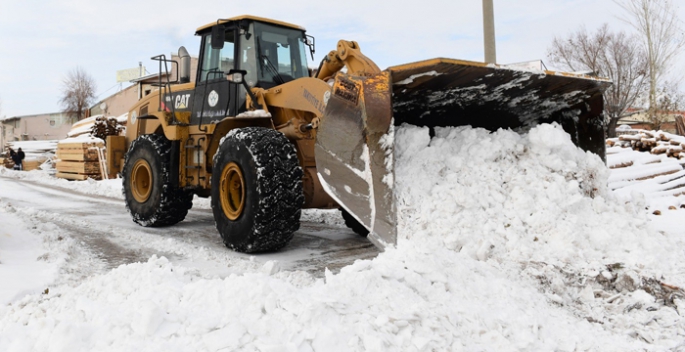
655, 142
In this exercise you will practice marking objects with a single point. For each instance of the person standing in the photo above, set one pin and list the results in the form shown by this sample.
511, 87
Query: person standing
12, 156
20, 159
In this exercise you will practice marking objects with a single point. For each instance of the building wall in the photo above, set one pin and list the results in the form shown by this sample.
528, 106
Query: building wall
37, 127
119, 103
641, 121
193, 67
10, 127
666, 127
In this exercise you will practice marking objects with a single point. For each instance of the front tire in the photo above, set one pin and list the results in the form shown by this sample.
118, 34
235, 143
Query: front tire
353, 224
150, 198
256, 190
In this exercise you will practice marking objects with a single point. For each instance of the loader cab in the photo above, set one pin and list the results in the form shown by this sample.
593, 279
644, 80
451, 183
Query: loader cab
271, 52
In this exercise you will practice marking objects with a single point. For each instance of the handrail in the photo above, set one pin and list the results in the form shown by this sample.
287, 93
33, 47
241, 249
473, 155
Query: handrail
166, 85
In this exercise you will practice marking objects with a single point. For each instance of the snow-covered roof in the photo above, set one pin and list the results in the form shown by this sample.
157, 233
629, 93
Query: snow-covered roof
10, 118
145, 78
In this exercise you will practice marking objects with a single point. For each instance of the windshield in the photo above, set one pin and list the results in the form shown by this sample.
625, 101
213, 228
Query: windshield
273, 55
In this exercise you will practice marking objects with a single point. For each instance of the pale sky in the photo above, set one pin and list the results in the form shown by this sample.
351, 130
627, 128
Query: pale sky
43, 40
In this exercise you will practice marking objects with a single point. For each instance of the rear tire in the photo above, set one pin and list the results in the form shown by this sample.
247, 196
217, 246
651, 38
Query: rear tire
353, 224
150, 198
256, 190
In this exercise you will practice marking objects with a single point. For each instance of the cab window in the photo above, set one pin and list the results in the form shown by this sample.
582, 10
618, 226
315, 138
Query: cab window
216, 63
280, 54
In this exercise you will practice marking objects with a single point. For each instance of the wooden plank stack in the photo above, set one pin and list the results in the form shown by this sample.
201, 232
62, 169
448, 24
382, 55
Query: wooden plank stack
78, 160
32, 164
116, 149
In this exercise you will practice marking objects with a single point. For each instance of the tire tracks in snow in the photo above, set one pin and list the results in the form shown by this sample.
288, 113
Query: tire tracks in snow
102, 229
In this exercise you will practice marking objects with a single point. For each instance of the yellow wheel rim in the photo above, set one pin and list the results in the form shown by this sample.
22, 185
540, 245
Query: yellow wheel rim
141, 181
232, 191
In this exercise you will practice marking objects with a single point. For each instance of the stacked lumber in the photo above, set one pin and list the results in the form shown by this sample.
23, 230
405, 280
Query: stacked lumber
28, 165
36, 153
32, 164
655, 142
78, 159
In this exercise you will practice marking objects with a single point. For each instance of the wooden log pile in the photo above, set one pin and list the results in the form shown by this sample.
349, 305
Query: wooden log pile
106, 126
7, 162
78, 160
680, 125
655, 142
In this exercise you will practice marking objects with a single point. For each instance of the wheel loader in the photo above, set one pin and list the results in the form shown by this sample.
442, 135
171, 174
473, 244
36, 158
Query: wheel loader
264, 137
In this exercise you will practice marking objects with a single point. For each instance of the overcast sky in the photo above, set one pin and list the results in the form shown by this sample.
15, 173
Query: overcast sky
43, 40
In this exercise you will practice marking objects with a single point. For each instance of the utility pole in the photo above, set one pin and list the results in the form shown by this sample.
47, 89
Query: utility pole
489, 32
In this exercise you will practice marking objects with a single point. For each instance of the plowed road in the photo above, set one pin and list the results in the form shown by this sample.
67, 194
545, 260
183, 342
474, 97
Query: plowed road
103, 231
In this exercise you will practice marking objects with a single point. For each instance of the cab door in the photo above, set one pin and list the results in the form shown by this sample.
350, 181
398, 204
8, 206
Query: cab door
215, 97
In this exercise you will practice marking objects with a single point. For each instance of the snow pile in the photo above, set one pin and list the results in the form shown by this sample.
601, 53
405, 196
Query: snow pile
23, 263
536, 198
396, 302
540, 207
507, 243
108, 188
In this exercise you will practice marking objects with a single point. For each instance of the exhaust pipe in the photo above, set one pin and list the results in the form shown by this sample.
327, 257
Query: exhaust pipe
184, 74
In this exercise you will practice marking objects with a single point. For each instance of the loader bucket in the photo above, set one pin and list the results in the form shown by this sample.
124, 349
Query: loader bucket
354, 146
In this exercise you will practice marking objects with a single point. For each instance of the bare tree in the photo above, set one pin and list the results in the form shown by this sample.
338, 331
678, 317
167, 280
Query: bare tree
669, 100
610, 55
78, 93
658, 24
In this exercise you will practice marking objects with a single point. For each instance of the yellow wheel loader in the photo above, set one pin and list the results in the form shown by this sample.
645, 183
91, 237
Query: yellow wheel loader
264, 137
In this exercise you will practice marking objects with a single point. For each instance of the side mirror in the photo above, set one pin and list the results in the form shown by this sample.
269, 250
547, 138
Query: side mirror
236, 76
309, 41
218, 36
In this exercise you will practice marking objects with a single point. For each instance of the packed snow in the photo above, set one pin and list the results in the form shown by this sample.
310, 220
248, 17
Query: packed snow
507, 243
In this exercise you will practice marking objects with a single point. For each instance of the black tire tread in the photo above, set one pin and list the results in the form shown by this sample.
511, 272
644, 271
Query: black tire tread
174, 202
279, 186
353, 224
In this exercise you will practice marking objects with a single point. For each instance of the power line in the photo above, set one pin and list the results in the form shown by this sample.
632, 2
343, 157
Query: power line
99, 95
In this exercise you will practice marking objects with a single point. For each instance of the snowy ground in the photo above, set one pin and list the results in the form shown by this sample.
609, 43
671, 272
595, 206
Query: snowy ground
507, 243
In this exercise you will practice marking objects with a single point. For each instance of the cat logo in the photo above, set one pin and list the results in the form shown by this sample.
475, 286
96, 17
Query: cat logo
182, 101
